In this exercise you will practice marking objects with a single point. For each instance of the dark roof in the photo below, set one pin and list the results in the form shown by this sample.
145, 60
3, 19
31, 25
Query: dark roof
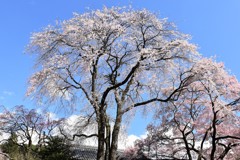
85, 152
82, 152
142, 157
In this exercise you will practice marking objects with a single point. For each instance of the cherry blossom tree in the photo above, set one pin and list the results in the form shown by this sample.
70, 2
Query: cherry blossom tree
28, 126
203, 123
109, 62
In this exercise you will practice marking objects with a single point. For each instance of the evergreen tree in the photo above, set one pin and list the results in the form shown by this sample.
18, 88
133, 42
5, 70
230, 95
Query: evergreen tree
56, 148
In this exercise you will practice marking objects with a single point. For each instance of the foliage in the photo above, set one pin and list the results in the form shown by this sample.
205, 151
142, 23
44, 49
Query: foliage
10, 146
203, 123
56, 148
15, 151
114, 60
27, 129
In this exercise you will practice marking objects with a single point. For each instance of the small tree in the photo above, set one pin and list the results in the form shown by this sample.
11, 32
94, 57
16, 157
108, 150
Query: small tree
114, 61
56, 148
11, 148
203, 123
27, 128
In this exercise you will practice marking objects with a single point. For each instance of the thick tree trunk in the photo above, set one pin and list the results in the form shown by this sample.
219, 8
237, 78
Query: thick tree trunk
114, 144
108, 139
101, 136
100, 152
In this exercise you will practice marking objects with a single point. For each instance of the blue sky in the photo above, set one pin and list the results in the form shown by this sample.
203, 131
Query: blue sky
214, 26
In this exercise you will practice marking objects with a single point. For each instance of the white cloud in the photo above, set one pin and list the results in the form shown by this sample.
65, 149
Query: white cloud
8, 93
75, 121
39, 111
4, 136
132, 138
73, 126
53, 116
4, 94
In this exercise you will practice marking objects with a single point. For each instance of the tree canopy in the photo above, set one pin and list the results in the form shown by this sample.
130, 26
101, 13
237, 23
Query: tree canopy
203, 123
109, 62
